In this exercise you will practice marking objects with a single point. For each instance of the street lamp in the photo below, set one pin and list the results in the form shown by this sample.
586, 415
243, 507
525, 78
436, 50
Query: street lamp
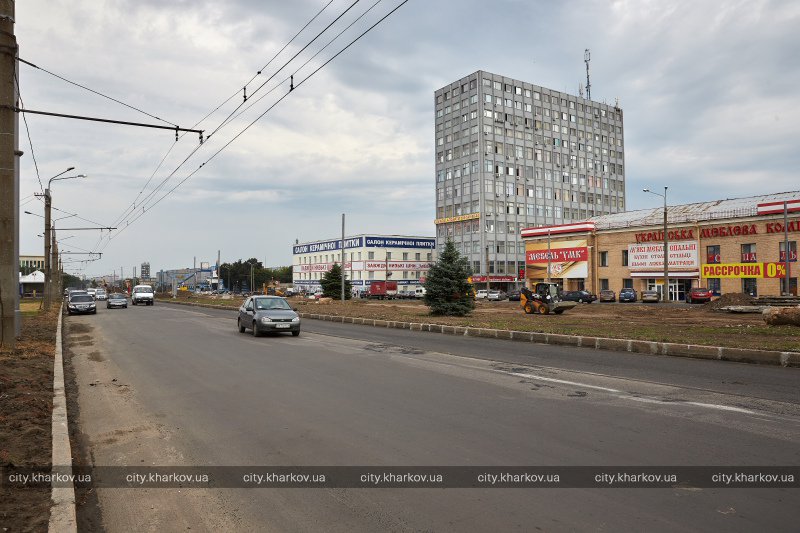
47, 230
665, 292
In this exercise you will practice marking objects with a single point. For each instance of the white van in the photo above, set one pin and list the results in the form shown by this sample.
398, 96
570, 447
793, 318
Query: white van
420, 292
142, 294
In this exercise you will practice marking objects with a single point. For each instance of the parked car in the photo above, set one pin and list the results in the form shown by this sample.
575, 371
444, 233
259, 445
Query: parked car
495, 296
607, 295
651, 296
698, 295
420, 292
81, 302
513, 296
92, 292
627, 295
579, 296
268, 314
481, 294
142, 294
117, 299
100, 294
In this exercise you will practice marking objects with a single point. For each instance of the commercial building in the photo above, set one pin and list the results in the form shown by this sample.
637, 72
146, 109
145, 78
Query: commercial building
367, 258
512, 155
736, 245
144, 272
29, 263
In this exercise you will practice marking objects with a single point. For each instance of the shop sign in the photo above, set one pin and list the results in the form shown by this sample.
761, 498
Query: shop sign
674, 235
651, 256
777, 227
557, 254
482, 279
568, 259
728, 231
744, 270
459, 218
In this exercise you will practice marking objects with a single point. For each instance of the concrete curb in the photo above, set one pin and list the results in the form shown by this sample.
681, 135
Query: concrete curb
62, 513
693, 351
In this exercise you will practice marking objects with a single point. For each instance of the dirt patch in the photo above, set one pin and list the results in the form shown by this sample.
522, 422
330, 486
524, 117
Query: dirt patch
26, 404
734, 298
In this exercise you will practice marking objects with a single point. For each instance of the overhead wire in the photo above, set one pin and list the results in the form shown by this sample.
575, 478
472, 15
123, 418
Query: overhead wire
215, 154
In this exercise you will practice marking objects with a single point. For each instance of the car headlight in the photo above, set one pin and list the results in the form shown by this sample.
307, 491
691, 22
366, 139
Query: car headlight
296, 319
265, 320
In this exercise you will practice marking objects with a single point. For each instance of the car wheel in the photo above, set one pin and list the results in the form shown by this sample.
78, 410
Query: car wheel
580, 300
239, 324
295, 334
255, 329
688, 299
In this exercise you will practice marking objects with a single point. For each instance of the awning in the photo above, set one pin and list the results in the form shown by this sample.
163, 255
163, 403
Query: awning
660, 274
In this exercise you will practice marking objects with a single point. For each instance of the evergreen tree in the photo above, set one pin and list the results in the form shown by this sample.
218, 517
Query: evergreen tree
447, 291
332, 284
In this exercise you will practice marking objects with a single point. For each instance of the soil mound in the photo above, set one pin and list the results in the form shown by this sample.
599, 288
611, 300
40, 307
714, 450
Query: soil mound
731, 298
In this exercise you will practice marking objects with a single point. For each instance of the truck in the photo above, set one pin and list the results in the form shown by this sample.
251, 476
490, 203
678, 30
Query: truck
383, 290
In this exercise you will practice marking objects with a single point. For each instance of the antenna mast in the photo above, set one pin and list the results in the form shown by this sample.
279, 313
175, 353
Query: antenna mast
586, 58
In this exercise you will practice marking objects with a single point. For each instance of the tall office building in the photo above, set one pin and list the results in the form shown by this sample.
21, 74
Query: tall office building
513, 155
145, 271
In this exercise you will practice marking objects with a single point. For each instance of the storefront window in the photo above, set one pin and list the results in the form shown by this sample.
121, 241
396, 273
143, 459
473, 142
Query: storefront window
792, 251
713, 255
749, 253
749, 286
714, 286
627, 283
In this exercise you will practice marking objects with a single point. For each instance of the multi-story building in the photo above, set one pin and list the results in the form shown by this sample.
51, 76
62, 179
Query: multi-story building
729, 246
367, 258
513, 155
144, 273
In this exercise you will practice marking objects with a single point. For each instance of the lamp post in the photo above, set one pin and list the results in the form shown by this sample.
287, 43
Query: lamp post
48, 267
665, 292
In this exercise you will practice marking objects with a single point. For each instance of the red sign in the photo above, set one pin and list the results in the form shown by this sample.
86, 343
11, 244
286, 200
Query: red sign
792, 256
713, 259
557, 255
728, 231
658, 236
482, 279
774, 270
748, 257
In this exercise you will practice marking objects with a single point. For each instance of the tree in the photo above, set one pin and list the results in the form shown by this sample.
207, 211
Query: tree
332, 283
447, 291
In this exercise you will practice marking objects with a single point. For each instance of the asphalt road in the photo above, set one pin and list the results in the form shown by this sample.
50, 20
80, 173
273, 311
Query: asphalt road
173, 385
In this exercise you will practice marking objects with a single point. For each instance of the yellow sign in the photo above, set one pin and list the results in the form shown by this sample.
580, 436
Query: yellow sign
459, 218
743, 270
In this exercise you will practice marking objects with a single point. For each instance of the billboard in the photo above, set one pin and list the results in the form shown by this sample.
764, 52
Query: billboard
650, 256
568, 259
744, 270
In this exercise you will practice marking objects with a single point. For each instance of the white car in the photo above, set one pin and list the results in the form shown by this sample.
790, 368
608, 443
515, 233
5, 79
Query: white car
100, 294
142, 294
481, 294
92, 293
419, 292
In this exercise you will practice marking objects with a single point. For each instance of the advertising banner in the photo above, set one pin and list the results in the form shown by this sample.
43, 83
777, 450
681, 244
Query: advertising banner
651, 255
744, 270
568, 259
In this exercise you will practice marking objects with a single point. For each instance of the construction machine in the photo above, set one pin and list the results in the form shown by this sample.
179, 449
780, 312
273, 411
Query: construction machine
544, 299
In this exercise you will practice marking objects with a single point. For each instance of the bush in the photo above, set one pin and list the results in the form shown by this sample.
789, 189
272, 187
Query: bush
332, 284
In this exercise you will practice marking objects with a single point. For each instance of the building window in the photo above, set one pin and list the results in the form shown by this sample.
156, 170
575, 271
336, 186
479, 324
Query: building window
714, 286
750, 286
370, 255
749, 253
603, 284
627, 283
603, 259
624, 258
713, 255
792, 251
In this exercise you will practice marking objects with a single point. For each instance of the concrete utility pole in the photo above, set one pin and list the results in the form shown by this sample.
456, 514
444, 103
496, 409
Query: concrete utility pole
343, 257
9, 180
665, 292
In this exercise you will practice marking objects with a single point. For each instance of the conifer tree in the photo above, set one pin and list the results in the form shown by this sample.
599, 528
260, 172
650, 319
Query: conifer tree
332, 284
447, 291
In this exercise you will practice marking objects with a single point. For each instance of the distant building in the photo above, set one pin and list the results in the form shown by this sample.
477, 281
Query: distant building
367, 258
29, 263
144, 273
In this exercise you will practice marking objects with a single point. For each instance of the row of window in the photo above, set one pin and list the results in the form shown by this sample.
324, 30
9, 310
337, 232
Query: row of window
555, 99
509, 189
713, 255
529, 172
358, 274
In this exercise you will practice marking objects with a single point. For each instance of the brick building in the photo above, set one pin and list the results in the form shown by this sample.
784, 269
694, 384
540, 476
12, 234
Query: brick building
735, 245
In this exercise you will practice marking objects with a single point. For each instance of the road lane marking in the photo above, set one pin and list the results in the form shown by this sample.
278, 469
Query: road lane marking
562, 381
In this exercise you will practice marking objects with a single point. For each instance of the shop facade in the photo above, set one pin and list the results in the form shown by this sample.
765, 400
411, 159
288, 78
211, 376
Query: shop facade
367, 258
729, 246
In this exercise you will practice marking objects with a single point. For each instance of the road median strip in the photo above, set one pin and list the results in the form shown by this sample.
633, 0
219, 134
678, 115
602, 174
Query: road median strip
693, 351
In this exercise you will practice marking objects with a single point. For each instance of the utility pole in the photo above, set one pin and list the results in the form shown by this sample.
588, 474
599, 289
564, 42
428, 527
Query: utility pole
343, 258
48, 243
786, 251
9, 180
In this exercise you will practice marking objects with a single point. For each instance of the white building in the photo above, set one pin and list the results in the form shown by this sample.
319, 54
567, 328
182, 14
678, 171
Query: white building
367, 258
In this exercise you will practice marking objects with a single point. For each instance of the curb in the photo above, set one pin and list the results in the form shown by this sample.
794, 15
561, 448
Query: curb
62, 512
692, 351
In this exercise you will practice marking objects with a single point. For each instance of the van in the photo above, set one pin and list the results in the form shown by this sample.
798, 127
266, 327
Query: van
420, 292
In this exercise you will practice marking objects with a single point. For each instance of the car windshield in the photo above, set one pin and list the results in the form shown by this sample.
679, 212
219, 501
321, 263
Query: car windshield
271, 303
700, 289
142, 289
116, 296
80, 298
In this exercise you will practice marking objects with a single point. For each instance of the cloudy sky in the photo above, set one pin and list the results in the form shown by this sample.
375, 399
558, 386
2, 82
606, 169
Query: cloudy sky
708, 89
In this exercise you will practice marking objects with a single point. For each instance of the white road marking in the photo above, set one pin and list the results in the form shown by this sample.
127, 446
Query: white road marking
562, 381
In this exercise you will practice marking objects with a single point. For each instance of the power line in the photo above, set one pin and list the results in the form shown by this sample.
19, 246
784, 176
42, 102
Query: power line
96, 92
148, 208
28, 131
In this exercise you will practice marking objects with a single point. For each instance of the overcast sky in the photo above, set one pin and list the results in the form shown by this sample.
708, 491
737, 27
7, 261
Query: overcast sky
709, 92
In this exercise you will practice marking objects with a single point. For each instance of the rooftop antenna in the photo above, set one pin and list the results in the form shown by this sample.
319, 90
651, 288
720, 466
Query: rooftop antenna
580, 90
587, 56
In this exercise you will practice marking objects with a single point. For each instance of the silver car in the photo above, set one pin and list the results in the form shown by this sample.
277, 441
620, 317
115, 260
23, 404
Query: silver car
117, 300
262, 314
